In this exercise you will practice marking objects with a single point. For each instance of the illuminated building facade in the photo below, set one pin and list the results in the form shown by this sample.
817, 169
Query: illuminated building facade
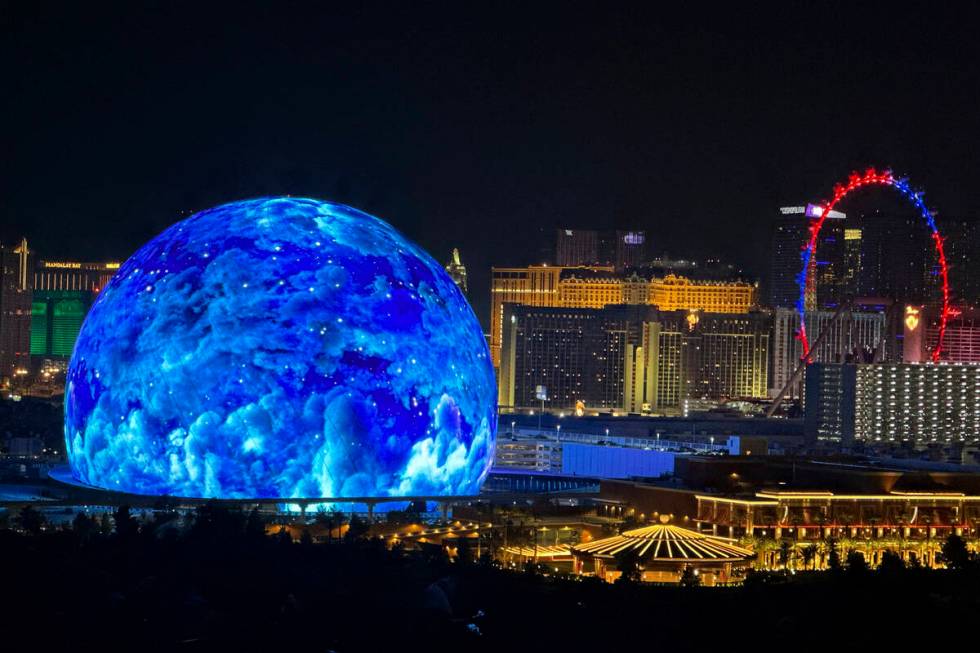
850, 336
798, 505
578, 354
56, 319
852, 257
790, 233
687, 355
674, 293
537, 454
596, 287
575, 247
73, 275
631, 358
620, 249
893, 402
535, 285
63, 293
630, 249
457, 271
578, 290
911, 524
920, 333
15, 311
830, 405
692, 355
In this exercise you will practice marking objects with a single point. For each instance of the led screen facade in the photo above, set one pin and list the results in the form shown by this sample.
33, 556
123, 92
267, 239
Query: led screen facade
281, 347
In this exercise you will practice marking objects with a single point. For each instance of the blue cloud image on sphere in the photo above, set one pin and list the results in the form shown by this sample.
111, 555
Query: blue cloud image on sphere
281, 348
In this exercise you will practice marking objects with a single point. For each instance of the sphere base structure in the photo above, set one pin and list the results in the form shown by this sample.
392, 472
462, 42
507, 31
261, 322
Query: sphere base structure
84, 494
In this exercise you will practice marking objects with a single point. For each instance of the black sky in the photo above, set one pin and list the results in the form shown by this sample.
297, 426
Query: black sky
477, 124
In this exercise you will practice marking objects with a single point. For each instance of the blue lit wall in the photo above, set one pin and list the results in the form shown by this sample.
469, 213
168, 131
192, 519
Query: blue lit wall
281, 348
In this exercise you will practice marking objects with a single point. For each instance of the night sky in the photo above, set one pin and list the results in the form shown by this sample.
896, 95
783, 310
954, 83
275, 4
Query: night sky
476, 125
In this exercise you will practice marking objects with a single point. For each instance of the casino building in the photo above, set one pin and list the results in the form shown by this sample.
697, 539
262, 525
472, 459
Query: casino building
920, 333
631, 358
849, 333
63, 293
599, 286
793, 511
15, 311
912, 524
892, 402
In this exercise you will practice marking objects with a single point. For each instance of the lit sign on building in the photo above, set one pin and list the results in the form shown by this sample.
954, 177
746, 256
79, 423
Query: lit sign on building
911, 317
814, 211
692, 320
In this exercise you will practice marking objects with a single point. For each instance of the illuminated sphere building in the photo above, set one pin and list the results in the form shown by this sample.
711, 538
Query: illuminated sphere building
281, 348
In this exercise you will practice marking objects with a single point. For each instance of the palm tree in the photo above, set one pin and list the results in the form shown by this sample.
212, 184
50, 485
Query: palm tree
809, 554
785, 553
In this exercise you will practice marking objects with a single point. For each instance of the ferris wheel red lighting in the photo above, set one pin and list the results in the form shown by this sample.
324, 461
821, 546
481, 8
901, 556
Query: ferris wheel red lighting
872, 177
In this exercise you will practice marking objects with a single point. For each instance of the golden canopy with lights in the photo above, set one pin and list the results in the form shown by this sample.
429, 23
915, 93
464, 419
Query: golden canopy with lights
666, 543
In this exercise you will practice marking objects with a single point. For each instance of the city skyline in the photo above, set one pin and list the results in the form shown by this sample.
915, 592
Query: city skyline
503, 326
659, 126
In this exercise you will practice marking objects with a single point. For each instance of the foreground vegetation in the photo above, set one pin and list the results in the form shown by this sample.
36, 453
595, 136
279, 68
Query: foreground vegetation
221, 581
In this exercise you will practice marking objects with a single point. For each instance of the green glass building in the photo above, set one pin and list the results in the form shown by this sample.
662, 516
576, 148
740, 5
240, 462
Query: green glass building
56, 319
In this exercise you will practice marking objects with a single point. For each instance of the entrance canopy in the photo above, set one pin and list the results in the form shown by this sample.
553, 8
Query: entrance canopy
665, 543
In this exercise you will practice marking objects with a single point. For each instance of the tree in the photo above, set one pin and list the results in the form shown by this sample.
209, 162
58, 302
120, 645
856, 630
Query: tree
833, 556
856, 564
84, 526
891, 563
785, 553
105, 525
254, 525
305, 539
628, 563
331, 519
955, 553
690, 577
358, 528
809, 554
31, 520
126, 524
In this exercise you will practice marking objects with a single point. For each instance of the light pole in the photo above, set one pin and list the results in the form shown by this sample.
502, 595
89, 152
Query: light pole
558, 431
512, 427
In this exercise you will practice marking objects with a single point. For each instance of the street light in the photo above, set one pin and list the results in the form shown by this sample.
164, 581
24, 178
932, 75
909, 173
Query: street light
558, 431
512, 427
